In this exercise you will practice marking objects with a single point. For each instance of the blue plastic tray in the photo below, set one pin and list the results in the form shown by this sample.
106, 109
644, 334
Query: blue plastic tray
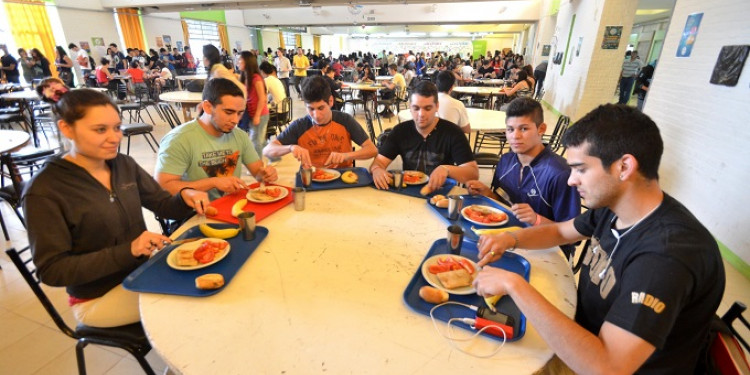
413, 190
510, 261
364, 179
155, 276
466, 225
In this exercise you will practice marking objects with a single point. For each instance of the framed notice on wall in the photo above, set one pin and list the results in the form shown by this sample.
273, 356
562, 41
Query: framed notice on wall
689, 34
612, 35
545, 50
159, 42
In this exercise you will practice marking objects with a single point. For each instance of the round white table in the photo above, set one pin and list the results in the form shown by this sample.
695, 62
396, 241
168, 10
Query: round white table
489, 81
383, 78
323, 293
185, 99
10, 140
479, 90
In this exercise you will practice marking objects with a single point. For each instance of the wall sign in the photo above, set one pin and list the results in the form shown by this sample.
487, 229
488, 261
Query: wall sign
692, 25
545, 50
729, 65
612, 35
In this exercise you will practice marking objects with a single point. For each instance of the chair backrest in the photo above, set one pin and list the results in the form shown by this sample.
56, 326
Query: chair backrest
725, 356
370, 126
286, 109
490, 142
23, 261
555, 139
21, 167
735, 313
169, 114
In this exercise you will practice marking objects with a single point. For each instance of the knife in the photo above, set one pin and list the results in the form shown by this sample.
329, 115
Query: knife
186, 240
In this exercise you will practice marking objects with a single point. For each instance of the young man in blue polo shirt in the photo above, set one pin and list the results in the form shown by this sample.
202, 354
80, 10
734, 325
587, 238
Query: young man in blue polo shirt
534, 178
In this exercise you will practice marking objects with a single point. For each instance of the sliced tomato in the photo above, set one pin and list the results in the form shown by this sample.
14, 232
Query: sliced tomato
203, 254
438, 268
222, 245
466, 265
273, 192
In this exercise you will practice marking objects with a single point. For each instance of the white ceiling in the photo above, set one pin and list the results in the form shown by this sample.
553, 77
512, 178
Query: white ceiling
648, 10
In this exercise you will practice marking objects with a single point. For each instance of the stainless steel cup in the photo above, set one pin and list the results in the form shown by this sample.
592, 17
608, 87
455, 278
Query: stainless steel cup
247, 225
455, 204
398, 178
455, 239
306, 174
299, 199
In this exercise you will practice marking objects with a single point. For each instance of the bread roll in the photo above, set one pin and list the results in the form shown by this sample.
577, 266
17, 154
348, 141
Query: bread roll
436, 198
433, 295
425, 190
209, 281
443, 203
211, 211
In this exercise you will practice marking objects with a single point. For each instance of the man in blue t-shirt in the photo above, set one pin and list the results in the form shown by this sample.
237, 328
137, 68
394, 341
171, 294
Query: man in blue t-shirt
531, 178
650, 285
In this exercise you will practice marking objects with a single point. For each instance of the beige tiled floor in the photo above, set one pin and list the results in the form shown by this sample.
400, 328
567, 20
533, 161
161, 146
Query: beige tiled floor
31, 344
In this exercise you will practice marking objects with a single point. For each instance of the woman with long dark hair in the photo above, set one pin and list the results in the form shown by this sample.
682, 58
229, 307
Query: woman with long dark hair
213, 62
255, 119
41, 64
64, 66
84, 213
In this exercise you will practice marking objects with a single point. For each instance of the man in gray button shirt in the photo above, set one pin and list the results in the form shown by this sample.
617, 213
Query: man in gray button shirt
630, 68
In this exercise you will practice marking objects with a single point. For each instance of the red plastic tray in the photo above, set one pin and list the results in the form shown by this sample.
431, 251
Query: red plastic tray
262, 210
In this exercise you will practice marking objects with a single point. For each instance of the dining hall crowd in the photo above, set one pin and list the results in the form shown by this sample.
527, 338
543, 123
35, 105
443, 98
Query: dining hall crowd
650, 281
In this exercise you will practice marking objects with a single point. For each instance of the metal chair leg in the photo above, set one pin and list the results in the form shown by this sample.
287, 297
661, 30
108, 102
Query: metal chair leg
80, 358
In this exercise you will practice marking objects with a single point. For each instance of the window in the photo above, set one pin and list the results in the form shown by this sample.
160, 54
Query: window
202, 33
290, 40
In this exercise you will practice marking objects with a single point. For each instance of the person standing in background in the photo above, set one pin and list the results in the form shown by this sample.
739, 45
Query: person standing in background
80, 63
630, 68
64, 66
255, 119
301, 64
27, 65
10, 67
283, 67
643, 83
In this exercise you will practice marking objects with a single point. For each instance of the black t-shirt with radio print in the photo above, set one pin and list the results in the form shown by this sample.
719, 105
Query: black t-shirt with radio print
663, 284
446, 144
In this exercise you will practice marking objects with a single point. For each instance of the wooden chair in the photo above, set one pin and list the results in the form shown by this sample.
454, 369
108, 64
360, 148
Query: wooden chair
131, 337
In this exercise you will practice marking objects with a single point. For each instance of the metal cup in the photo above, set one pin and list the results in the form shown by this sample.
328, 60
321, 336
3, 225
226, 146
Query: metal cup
455, 204
455, 239
398, 178
299, 199
247, 225
306, 174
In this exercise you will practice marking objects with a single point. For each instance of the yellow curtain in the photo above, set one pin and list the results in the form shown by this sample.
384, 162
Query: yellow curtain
224, 37
281, 39
316, 44
298, 40
185, 32
130, 27
30, 27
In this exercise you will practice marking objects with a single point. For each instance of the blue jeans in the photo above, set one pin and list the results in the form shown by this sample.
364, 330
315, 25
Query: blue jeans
626, 87
258, 133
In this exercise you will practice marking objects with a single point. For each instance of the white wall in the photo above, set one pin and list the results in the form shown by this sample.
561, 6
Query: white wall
98, 23
498, 43
270, 38
163, 24
706, 127
402, 45
238, 32
589, 79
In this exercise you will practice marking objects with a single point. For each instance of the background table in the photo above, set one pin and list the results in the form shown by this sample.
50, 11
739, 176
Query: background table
12, 139
186, 99
189, 77
323, 293
24, 99
480, 90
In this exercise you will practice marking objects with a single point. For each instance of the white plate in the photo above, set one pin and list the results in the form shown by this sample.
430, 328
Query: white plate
284, 193
172, 257
424, 178
486, 208
433, 280
336, 175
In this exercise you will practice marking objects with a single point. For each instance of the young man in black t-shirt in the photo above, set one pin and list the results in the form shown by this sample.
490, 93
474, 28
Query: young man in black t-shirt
653, 278
427, 143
